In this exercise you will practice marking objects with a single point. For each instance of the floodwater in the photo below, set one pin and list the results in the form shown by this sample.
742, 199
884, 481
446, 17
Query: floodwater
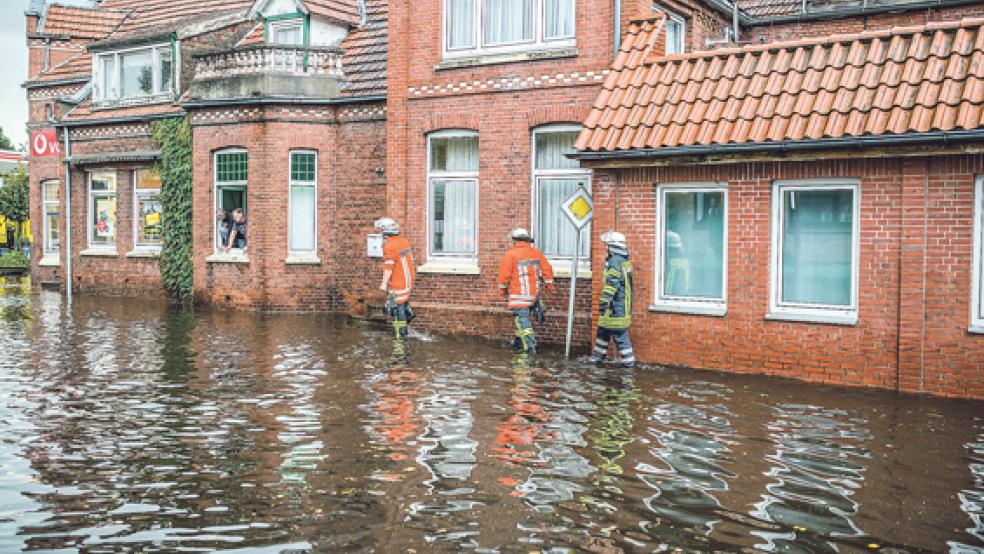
133, 426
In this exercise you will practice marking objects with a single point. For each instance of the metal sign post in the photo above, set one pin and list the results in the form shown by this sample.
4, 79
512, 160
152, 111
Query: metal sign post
579, 209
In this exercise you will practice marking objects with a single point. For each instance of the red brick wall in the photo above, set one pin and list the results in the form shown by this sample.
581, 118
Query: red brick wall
915, 277
350, 198
825, 27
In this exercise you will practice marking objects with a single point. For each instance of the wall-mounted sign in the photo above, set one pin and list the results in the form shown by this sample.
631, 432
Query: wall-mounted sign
44, 143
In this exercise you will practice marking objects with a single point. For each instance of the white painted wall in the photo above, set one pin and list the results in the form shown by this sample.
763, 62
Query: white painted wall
279, 7
324, 33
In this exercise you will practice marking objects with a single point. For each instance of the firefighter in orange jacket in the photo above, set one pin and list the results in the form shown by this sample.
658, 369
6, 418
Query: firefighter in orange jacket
398, 275
520, 273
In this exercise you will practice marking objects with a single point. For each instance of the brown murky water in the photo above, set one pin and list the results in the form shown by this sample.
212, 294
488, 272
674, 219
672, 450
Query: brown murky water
132, 426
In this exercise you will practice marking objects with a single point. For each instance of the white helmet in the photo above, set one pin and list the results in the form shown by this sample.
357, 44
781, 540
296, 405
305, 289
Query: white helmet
388, 225
614, 238
521, 234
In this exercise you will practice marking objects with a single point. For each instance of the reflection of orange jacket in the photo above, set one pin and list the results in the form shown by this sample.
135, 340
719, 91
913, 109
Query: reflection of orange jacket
398, 258
520, 272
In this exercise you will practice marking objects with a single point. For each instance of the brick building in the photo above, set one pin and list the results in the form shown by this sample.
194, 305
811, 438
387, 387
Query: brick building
279, 130
459, 119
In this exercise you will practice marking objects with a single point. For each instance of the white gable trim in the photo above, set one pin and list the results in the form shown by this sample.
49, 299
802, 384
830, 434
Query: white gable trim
259, 5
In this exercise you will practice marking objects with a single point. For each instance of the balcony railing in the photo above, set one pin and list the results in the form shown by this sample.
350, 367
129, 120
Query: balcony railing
270, 60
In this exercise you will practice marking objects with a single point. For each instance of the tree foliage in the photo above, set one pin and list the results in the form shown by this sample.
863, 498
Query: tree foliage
174, 137
5, 142
15, 201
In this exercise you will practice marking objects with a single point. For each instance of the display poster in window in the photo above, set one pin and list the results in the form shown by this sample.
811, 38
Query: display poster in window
105, 212
150, 219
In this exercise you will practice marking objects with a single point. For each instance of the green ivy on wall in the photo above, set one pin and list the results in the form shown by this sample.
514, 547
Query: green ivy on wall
174, 137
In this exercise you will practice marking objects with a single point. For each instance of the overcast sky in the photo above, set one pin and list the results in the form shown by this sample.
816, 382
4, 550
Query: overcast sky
13, 68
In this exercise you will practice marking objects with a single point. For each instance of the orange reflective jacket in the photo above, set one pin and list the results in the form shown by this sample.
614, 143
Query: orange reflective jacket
520, 272
398, 258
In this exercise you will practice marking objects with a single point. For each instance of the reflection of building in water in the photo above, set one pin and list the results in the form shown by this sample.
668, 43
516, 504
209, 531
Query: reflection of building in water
972, 499
817, 470
694, 437
299, 370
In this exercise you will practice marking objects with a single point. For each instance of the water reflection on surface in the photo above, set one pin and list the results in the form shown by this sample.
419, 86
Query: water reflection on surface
132, 426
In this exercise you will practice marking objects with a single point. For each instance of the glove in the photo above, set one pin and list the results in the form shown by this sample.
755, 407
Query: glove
550, 287
505, 292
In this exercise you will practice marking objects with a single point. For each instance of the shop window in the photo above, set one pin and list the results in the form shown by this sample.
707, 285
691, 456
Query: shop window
303, 235
102, 210
52, 219
977, 310
555, 178
815, 250
147, 209
691, 231
231, 178
138, 73
452, 183
482, 26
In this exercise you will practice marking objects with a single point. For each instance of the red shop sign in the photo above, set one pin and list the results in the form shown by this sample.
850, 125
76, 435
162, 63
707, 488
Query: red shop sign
44, 143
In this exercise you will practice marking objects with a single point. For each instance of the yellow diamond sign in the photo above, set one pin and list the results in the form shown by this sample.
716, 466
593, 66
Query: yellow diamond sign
579, 207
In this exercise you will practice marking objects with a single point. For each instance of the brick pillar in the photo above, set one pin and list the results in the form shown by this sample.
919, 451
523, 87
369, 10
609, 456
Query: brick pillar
914, 198
397, 110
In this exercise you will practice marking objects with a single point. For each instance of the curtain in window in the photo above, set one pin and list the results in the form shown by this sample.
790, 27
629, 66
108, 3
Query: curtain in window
109, 77
693, 243
550, 149
454, 217
508, 21
559, 18
454, 154
137, 74
817, 244
302, 228
167, 69
461, 24
556, 235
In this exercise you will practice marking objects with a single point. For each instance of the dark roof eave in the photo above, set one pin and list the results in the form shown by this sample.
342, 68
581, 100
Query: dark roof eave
853, 12
913, 139
116, 157
284, 100
45, 84
127, 119
111, 45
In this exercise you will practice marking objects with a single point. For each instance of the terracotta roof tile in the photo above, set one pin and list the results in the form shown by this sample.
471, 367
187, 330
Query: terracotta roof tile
80, 22
85, 112
365, 53
346, 11
78, 67
905, 80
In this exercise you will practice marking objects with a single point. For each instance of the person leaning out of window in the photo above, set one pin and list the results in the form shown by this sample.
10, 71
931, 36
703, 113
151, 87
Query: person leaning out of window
237, 232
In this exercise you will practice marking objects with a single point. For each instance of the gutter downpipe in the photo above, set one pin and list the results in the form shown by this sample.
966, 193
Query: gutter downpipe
68, 216
618, 28
734, 21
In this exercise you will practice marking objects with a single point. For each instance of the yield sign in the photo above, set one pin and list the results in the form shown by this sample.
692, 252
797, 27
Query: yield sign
579, 208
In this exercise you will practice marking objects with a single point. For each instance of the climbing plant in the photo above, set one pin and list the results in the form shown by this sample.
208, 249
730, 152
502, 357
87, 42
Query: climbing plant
174, 137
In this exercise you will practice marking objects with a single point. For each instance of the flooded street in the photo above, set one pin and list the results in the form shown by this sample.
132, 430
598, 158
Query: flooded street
134, 426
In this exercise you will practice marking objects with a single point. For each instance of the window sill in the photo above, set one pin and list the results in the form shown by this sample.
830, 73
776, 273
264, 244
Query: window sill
167, 98
49, 261
976, 329
508, 57
227, 259
152, 254
847, 319
565, 273
302, 260
450, 268
709, 310
99, 253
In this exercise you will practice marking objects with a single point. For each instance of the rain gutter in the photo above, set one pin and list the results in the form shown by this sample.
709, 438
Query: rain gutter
855, 12
914, 139
284, 100
618, 28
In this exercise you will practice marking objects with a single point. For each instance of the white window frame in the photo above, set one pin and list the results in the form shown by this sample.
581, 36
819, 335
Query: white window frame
114, 95
814, 313
561, 263
977, 304
688, 304
539, 41
90, 209
285, 24
137, 193
45, 252
465, 176
681, 47
217, 185
290, 202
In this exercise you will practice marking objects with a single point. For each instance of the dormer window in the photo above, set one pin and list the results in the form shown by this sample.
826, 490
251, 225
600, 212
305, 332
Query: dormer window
132, 74
289, 31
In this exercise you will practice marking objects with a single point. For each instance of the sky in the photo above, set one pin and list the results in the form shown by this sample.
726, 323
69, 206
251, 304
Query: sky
13, 68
